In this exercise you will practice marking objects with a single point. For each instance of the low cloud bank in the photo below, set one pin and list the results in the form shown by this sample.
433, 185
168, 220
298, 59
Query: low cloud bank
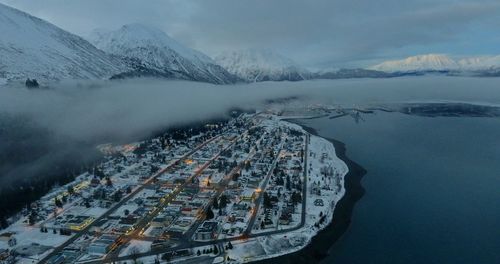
44, 130
124, 109
74, 113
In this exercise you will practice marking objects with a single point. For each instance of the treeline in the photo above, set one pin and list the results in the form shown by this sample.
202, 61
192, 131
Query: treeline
28, 186
31, 163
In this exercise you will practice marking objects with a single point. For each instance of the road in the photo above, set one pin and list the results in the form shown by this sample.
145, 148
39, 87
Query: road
222, 187
258, 201
68, 242
144, 222
225, 240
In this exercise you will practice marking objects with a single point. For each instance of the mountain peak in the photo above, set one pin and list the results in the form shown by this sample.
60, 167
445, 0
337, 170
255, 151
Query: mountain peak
426, 62
261, 65
33, 48
258, 57
438, 62
136, 35
151, 52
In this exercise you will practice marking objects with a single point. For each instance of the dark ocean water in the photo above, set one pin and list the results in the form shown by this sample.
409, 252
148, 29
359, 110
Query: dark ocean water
432, 188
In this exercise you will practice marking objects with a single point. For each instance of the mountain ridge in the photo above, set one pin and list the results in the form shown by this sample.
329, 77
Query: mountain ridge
439, 62
148, 51
255, 65
31, 47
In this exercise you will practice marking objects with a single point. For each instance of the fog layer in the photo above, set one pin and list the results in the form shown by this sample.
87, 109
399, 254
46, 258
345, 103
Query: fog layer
46, 134
124, 109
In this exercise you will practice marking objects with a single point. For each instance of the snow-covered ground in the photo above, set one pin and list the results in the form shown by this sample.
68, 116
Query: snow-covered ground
321, 154
136, 246
325, 187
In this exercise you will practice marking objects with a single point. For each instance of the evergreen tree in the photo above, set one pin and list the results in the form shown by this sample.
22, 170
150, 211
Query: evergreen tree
99, 173
210, 214
109, 182
216, 250
31, 83
235, 176
223, 201
267, 201
216, 203
117, 196
58, 202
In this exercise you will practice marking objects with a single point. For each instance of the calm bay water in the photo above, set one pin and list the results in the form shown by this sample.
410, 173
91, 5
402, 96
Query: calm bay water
432, 189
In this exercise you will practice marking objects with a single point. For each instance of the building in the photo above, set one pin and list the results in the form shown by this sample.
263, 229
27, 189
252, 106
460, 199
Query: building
285, 219
79, 222
6, 236
240, 209
102, 246
4, 253
207, 231
247, 196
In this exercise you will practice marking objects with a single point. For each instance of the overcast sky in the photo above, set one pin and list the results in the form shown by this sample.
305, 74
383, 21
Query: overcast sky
316, 34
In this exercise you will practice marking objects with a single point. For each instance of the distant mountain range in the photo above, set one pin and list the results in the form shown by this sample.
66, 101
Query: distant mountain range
33, 48
480, 66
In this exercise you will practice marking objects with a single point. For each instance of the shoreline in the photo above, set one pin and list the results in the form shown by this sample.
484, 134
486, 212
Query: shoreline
325, 239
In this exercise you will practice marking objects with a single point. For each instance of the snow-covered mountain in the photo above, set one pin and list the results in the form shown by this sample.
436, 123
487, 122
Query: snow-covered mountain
428, 62
33, 48
480, 63
261, 65
440, 63
151, 52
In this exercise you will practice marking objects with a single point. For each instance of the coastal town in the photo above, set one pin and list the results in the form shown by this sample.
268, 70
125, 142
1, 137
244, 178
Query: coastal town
252, 188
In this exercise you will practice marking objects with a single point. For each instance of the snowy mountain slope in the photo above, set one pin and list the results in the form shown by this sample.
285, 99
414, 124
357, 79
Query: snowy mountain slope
429, 62
261, 65
151, 52
33, 48
439, 62
480, 63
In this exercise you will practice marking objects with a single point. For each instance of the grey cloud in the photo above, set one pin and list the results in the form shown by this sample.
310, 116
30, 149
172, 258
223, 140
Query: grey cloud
322, 32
